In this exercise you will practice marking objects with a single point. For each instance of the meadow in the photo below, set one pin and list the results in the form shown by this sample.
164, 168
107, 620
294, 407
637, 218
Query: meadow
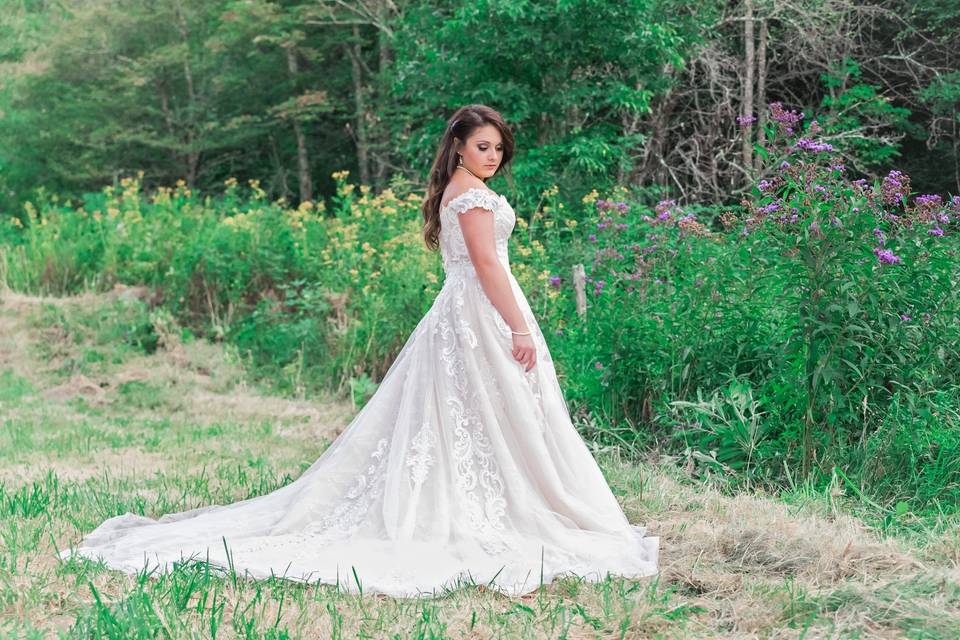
771, 388
97, 421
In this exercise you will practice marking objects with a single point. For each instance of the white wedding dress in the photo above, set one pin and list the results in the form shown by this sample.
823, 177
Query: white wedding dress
462, 468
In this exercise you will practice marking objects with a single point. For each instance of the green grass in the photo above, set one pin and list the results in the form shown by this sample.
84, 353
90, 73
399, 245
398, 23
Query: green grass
180, 427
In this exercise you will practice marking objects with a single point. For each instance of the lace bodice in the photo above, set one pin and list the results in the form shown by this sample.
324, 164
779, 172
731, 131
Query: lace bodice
453, 247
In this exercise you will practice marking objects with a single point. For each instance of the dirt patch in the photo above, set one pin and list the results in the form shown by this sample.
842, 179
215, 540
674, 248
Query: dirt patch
125, 462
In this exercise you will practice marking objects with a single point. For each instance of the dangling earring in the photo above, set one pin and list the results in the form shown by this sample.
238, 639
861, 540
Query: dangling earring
459, 160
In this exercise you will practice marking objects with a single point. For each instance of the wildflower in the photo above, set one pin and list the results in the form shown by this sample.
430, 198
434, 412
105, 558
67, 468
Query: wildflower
746, 121
936, 231
785, 165
592, 237
810, 145
769, 208
886, 256
554, 281
895, 187
764, 185
905, 317
784, 119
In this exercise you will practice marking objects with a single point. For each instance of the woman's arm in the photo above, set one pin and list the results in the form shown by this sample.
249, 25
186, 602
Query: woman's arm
478, 234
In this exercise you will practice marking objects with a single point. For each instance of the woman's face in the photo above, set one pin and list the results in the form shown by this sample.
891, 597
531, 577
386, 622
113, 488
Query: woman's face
483, 151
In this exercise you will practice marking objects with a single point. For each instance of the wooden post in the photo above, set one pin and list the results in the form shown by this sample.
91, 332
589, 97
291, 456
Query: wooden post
580, 286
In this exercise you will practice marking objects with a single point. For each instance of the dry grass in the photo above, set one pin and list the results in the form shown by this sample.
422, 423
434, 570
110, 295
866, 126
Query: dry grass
741, 566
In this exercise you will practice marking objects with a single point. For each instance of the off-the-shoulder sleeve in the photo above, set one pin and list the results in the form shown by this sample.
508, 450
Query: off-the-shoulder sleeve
473, 198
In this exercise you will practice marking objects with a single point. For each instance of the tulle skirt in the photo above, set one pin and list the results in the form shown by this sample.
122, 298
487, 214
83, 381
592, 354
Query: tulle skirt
462, 468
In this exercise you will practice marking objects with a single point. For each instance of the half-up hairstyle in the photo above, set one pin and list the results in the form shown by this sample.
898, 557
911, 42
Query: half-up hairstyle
461, 125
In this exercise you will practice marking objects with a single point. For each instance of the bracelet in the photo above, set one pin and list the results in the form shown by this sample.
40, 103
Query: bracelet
520, 333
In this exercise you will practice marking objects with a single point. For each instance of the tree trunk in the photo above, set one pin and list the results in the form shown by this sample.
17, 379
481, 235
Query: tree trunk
360, 107
303, 163
192, 155
382, 158
761, 92
747, 102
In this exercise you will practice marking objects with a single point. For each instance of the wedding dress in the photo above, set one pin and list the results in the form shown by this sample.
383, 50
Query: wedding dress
461, 469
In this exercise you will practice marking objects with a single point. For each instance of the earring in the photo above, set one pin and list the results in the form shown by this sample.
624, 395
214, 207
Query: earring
460, 159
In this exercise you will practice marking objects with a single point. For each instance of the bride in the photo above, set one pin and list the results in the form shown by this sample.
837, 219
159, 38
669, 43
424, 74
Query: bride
464, 466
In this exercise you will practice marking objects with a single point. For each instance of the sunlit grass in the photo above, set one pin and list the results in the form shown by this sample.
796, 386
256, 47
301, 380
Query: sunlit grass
157, 430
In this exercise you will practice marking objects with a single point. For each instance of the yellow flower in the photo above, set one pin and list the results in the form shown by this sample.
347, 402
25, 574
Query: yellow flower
432, 277
364, 189
590, 197
375, 274
571, 223
230, 182
548, 223
340, 175
522, 223
354, 272
16, 222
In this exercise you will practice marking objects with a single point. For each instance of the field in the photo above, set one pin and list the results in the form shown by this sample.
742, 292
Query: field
97, 420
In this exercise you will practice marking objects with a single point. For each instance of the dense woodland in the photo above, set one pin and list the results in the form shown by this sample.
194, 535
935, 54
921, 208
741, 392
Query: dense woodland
641, 93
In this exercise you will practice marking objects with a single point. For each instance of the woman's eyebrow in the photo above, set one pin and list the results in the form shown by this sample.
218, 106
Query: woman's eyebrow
487, 141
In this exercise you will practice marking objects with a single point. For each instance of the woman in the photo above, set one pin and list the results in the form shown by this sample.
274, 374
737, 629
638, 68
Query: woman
464, 466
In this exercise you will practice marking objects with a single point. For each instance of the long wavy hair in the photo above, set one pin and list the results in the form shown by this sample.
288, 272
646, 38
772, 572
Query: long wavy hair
461, 125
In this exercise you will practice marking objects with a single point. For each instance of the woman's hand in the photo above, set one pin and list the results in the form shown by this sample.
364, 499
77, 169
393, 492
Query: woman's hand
524, 351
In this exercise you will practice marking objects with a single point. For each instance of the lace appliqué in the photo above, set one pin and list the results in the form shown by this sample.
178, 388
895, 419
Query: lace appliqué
479, 481
349, 513
453, 247
420, 457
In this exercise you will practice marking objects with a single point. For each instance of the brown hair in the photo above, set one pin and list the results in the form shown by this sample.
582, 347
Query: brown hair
461, 125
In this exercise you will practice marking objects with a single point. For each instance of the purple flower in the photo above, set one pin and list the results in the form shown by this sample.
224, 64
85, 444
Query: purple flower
555, 281
746, 121
936, 231
592, 237
764, 185
905, 317
602, 225
810, 145
778, 114
886, 256
598, 365
769, 208
928, 200
621, 226
895, 187
878, 233
785, 165
622, 206
837, 167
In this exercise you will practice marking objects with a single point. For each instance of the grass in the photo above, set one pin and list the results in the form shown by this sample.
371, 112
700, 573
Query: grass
105, 408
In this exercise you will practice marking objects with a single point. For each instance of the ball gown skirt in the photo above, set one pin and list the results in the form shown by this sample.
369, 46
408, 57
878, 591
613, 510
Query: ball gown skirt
462, 468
